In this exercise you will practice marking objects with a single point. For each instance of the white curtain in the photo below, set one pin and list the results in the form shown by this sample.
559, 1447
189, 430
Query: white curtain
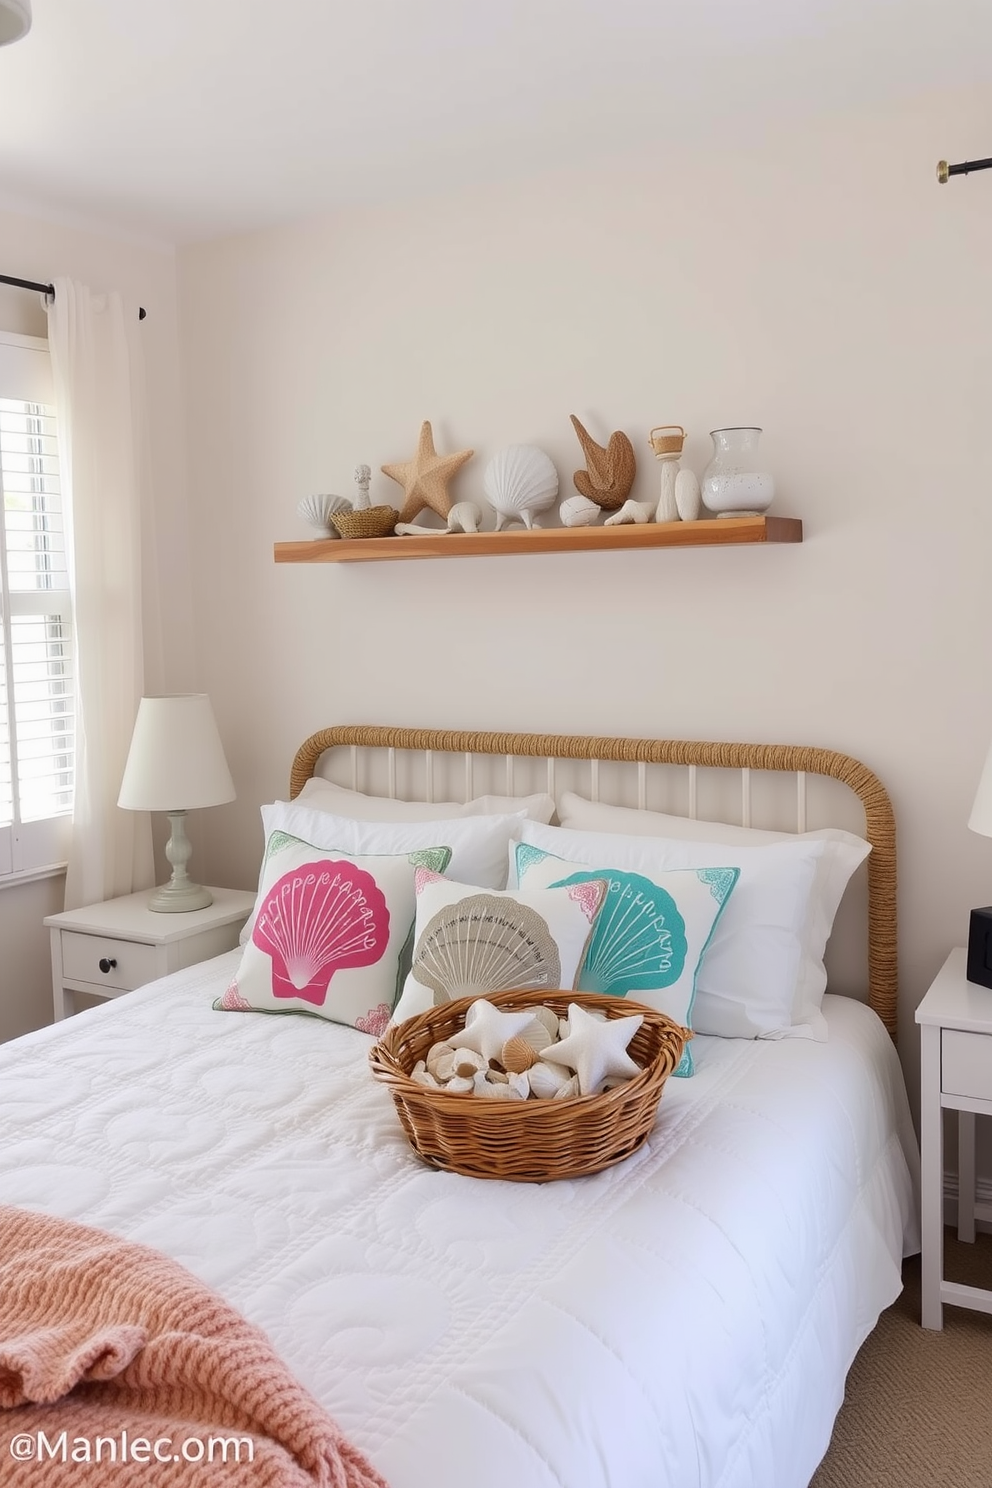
99, 388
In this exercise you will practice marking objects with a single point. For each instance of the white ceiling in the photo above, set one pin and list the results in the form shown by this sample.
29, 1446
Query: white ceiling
185, 119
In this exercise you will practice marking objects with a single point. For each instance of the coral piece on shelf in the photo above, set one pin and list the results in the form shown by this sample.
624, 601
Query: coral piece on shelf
609, 473
520, 481
425, 477
667, 509
464, 516
578, 511
363, 474
631, 511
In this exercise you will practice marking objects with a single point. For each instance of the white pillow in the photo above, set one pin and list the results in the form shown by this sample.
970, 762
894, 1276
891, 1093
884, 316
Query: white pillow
747, 982
329, 934
324, 795
843, 853
478, 843
471, 941
650, 935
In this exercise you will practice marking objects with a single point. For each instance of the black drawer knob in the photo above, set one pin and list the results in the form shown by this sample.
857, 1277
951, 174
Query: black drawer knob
107, 963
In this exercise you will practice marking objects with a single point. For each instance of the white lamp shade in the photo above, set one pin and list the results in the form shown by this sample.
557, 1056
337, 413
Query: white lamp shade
980, 819
176, 761
15, 20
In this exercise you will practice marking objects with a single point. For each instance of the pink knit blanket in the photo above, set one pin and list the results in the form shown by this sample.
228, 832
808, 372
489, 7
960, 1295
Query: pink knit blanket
118, 1367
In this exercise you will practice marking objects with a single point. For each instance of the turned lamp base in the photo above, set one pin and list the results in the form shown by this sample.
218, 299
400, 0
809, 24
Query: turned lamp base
180, 894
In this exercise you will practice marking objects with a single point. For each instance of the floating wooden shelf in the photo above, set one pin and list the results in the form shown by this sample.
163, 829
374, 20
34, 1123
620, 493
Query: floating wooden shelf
713, 532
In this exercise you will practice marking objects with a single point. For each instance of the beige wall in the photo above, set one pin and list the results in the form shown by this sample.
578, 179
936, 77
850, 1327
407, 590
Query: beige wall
820, 284
43, 249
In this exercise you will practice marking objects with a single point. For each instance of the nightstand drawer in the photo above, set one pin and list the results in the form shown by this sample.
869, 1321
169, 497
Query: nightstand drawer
966, 1064
134, 964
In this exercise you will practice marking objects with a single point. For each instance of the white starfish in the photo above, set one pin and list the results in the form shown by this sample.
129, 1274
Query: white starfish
596, 1048
487, 1029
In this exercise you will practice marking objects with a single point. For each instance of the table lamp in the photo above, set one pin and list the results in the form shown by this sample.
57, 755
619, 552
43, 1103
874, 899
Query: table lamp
176, 764
980, 929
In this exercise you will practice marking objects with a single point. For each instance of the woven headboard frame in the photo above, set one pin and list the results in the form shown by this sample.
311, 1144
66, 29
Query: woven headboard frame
795, 759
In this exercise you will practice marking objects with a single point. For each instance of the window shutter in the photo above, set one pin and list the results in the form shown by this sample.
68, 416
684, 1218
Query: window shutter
36, 652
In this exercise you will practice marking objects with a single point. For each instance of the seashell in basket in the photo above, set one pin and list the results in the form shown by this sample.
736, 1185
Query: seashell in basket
549, 1018
319, 510
518, 482
374, 521
566, 1091
578, 511
546, 1079
467, 1062
518, 1055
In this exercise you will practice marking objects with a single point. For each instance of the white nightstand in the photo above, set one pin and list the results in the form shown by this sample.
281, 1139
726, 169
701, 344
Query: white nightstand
956, 1073
106, 949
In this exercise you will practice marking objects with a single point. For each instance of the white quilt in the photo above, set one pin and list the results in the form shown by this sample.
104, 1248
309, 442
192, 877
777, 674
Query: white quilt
685, 1318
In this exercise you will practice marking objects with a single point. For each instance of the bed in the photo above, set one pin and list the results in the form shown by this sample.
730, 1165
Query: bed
684, 1318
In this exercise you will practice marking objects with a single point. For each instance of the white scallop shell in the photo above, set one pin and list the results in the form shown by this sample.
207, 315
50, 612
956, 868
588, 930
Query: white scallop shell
520, 481
549, 1018
570, 1087
546, 1079
538, 1035
578, 511
318, 510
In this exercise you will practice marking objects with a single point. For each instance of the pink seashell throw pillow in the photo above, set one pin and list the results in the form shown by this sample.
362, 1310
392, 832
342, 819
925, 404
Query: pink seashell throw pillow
331, 933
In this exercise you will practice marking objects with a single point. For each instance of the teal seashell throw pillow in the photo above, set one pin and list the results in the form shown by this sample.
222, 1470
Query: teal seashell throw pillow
650, 935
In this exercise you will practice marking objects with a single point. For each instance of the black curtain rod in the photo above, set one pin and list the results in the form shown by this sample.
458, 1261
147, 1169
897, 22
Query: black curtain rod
944, 170
47, 289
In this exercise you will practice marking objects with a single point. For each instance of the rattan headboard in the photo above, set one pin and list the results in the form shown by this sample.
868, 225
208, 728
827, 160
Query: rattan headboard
879, 823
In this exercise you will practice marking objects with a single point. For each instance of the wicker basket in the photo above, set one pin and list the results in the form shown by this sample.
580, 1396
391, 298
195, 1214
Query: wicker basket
528, 1141
371, 521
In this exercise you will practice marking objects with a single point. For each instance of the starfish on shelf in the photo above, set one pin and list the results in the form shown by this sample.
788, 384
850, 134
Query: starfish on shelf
425, 477
596, 1048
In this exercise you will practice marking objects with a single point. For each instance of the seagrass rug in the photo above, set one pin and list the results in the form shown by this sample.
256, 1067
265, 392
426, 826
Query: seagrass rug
917, 1409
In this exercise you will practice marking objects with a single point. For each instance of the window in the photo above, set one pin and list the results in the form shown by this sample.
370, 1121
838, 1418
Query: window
36, 649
